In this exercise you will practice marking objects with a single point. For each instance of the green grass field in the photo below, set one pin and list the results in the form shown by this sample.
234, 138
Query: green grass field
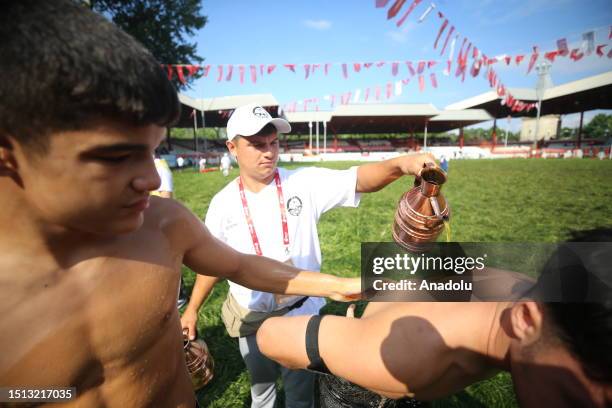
514, 200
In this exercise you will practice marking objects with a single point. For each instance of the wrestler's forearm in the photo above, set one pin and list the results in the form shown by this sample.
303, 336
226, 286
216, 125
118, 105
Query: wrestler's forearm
212, 257
267, 275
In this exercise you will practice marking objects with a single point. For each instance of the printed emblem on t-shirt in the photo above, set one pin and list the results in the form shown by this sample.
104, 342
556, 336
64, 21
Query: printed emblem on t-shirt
294, 206
230, 223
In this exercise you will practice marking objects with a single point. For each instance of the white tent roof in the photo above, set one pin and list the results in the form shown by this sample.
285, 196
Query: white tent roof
227, 102
527, 94
424, 109
468, 115
580, 85
304, 117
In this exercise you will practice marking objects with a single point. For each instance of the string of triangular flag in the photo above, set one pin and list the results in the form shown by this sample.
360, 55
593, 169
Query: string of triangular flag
226, 71
375, 93
479, 59
382, 92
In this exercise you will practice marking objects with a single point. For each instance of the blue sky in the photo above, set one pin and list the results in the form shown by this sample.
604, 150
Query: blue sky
278, 32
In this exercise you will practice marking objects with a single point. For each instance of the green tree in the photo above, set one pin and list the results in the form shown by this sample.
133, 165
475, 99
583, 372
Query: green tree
163, 26
567, 133
599, 127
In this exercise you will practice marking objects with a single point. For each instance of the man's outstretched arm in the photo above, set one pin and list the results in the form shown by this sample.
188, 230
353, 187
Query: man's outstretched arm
374, 176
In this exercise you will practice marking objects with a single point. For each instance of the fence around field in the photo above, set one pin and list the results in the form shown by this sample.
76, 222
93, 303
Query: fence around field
452, 152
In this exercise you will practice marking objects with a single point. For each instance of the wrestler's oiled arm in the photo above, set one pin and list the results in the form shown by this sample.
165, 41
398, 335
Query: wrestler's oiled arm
206, 255
355, 349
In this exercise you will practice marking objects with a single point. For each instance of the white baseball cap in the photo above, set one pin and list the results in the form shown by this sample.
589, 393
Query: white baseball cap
249, 119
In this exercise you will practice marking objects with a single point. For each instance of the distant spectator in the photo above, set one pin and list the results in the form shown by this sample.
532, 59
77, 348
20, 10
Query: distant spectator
165, 189
226, 164
202, 164
444, 164
180, 162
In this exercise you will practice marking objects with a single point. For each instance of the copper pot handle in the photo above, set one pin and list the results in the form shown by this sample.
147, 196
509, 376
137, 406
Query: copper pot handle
434, 205
417, 179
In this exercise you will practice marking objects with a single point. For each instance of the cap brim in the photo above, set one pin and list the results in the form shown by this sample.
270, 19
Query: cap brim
281, 125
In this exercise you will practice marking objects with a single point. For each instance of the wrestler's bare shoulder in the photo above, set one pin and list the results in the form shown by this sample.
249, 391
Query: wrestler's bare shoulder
421, 308
174, 220
432, 344
453, 321
164, 213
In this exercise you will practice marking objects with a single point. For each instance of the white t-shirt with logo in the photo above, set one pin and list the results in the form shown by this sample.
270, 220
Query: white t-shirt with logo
308, 192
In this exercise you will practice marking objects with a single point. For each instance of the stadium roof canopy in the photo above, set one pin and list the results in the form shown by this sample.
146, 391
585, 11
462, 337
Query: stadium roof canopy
357, 118
577, 96
382, 118
299, 120
391, 118
216, 110
453, 119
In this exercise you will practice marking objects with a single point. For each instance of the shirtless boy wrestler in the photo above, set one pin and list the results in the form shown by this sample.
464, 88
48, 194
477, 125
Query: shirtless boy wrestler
557, 353
90, 264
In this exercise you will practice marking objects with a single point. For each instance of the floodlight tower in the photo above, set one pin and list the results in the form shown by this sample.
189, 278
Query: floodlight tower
544, 82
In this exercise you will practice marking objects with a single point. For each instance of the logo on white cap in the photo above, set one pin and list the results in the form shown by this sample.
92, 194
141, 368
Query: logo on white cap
249, 119
261, 112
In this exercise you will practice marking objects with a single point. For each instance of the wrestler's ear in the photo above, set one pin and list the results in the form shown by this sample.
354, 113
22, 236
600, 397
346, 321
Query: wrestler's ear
526, 322
8, 164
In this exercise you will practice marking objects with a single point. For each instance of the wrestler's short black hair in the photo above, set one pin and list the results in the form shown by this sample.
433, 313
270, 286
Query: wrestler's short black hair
63, 66
585, 327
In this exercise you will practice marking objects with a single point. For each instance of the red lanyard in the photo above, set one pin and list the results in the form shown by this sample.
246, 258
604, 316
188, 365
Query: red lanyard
249, 219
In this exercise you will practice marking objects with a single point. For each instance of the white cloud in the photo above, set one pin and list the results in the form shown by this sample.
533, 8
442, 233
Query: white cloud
400, 36
397, 36
318, 24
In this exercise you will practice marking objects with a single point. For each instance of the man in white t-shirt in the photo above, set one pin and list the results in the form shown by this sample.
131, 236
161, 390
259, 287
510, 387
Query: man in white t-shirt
274, 212
202, 164
180, 162
226, 164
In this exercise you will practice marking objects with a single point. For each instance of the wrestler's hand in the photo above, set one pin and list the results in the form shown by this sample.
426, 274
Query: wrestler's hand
413, 163
350, 290
189, 321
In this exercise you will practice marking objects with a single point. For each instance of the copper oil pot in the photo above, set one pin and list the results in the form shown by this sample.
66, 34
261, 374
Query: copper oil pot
422, 211
200, 363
